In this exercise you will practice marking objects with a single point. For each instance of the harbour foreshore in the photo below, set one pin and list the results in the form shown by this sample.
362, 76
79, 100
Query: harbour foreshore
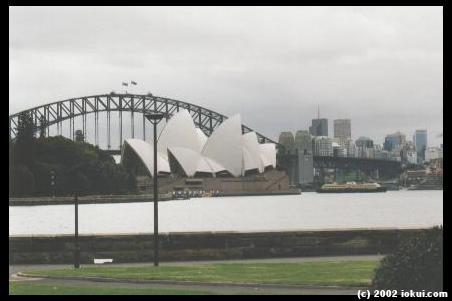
130, 198
206, 245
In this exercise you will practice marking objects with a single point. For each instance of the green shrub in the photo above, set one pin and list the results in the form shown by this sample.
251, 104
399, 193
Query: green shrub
416, 264
76, 166
21, 181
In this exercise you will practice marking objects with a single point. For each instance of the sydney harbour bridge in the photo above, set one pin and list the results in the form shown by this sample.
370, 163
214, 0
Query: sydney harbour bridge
114, 106
110, 110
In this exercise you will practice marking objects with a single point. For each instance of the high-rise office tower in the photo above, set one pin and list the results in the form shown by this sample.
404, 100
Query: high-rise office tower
303, 144
323, 146
394, 140
286, 139
342, 128
319, 126
420, 142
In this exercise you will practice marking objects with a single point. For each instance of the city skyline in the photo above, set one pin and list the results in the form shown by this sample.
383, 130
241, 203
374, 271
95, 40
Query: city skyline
380, 67
376, 140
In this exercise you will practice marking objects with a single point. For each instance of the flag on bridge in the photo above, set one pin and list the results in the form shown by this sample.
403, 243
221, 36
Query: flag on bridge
133, 83
125, 84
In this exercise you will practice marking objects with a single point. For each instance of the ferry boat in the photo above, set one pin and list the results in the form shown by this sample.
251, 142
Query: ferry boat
351, 187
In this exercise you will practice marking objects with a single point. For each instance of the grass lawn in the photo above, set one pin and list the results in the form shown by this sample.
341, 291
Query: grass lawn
338, 273
29, 288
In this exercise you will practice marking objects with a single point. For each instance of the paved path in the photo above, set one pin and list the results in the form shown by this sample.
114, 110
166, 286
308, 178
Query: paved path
217, 289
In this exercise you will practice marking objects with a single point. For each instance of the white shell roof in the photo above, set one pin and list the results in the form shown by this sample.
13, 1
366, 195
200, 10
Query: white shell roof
214, 166
145, 152
190, 160
225, 150
225, 145
268, 154
251, 152
202, 138
179, 131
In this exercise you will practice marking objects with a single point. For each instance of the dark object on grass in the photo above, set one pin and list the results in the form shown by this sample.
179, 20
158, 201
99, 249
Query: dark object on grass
416, 264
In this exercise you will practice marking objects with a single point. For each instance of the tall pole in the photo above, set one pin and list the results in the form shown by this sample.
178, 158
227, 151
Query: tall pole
155, 118
77, 248
156, 204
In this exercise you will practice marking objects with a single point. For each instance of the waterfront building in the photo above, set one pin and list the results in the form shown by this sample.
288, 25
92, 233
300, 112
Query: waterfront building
303, 144
342, 128
382, 154
432, 153
406, 152
395, 155
420, 141
365, 147
350, 146
370, 153
411, 157
286, 139
323, 146
338, 150
364, 142
303, 141
319, 127
409, 145
394, 140
305, 169
184, 150
340, 147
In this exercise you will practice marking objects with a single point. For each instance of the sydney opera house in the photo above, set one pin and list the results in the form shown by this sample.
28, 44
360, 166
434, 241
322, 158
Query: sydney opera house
184, 151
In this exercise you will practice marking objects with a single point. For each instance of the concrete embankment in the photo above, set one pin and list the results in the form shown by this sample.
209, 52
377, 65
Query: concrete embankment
205, 245
92, 199
110, 199
261, 193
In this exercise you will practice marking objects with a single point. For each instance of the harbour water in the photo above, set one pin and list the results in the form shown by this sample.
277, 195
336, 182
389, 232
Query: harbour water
308, 211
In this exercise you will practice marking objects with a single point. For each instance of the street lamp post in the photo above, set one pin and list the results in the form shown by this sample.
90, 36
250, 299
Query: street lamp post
155, 118
77, 247
52, 182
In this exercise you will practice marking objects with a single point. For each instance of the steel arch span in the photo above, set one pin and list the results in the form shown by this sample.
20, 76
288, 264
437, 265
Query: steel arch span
56, 112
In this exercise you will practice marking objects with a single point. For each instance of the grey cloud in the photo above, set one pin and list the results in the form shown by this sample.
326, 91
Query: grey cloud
381, 67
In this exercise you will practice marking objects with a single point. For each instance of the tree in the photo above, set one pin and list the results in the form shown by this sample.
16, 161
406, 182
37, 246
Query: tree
25, 140
80, 167
416, 264
21, 181
98, 171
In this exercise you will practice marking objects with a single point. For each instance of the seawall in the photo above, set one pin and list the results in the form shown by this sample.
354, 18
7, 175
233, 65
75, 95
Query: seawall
137, 198
205, 245
90, 199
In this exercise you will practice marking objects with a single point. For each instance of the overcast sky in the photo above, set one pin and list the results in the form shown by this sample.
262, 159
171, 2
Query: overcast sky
380, 67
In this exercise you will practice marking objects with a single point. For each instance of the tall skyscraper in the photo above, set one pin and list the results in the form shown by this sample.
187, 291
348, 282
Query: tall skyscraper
286, 139
303, 143
365, 147
319, 127
394, 140
323, 146
420, 142
364, 142
342, 128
